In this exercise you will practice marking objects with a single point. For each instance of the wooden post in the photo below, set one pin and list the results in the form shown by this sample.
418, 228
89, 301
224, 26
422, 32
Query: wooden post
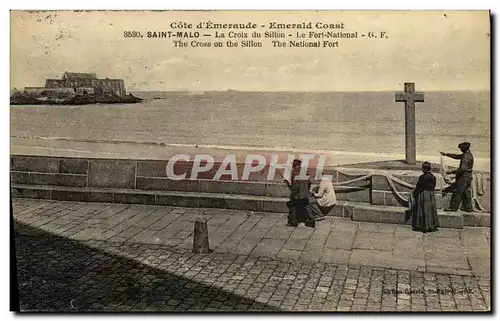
200, 237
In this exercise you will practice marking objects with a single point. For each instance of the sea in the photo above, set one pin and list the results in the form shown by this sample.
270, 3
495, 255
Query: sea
351, 122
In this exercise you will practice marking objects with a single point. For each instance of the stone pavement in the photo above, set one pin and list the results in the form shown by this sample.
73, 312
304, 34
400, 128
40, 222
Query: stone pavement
75, 256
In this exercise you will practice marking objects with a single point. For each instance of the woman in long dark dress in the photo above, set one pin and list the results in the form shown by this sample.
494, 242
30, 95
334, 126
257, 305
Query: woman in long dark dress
424, 216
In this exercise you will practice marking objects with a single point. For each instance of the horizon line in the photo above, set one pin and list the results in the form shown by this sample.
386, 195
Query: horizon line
305, 91
285, 91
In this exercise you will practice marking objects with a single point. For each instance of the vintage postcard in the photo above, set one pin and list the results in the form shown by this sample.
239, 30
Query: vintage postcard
251, 160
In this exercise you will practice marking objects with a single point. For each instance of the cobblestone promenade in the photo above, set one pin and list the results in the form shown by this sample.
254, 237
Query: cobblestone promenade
75, 256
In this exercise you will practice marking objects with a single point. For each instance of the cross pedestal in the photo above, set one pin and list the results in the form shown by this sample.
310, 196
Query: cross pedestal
409, 97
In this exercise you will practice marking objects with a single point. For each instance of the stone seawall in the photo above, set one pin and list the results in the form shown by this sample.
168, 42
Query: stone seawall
146, 182
150, 176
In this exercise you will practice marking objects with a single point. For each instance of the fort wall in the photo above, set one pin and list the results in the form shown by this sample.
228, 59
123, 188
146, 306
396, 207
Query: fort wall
34, 90
110, 86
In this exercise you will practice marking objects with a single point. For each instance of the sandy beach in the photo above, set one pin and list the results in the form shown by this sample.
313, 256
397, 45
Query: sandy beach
349, 127
155, 152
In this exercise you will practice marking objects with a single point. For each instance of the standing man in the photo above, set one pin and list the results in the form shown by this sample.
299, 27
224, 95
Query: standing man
462, 190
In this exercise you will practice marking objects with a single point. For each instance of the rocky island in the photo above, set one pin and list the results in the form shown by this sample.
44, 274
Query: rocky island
75, 89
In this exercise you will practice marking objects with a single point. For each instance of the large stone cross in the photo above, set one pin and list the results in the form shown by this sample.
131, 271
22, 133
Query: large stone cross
409, 97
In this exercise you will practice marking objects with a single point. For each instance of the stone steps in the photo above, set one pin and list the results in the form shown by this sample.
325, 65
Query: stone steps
143, 174
271, 189
357, 211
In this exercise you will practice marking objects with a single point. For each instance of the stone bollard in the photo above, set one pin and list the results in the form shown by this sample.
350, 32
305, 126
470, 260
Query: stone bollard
200, 237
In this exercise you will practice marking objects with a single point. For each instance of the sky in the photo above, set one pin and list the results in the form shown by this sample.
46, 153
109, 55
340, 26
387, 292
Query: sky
438, 50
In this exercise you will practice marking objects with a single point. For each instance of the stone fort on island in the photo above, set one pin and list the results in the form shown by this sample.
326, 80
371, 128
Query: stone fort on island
83, 84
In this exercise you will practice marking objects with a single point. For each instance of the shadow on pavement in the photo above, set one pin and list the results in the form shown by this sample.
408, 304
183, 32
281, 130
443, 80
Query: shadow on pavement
59, 274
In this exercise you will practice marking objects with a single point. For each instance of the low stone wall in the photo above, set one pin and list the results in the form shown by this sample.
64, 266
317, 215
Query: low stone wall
145, 182
381, 193
130, 173
146, 175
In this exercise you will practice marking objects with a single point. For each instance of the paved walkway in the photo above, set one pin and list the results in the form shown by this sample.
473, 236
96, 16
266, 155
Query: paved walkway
94, 256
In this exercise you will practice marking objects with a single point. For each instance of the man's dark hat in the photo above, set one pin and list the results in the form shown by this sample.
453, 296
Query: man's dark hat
426, 166
464, 145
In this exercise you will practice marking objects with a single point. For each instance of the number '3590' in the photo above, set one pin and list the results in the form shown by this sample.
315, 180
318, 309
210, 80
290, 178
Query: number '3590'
132, 34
